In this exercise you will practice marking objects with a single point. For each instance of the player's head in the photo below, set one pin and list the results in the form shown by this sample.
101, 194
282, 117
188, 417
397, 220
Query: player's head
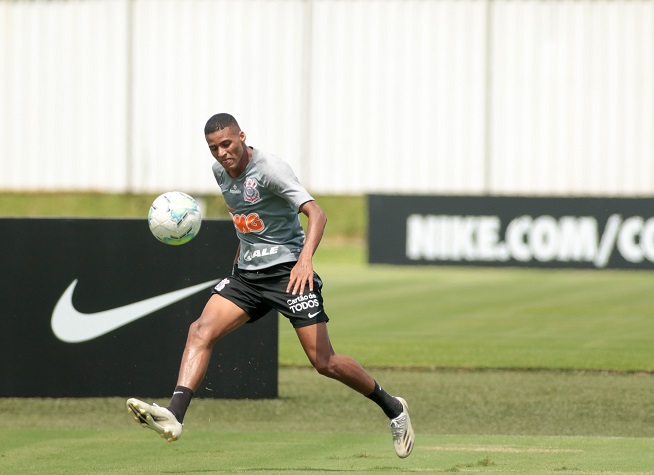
226, 142
219, 122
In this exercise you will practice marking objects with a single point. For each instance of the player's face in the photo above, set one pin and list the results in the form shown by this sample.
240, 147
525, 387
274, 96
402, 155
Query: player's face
228, 147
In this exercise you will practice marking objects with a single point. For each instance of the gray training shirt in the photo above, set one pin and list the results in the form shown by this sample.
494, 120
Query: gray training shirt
264, 203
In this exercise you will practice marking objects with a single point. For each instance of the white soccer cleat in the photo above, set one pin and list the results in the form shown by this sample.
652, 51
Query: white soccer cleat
403, 435
157, 418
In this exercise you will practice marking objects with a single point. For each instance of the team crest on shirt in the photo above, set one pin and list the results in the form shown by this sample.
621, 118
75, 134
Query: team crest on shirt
250, 192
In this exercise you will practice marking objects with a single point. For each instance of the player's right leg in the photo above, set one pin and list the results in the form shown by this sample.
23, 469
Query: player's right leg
157, 418
219, 317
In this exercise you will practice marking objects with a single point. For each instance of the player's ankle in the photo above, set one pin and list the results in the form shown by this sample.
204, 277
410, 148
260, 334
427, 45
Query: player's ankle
179, 402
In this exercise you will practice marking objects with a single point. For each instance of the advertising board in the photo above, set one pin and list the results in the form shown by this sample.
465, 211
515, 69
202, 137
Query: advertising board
593, 233
99, 307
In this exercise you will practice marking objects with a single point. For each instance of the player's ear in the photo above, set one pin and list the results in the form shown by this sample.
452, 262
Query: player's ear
241, 134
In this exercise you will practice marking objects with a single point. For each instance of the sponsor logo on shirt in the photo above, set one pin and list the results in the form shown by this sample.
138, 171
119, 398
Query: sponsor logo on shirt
266, 251
250, 223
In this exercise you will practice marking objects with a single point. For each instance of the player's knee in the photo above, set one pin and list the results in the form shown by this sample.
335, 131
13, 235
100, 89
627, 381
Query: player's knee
200, 334
326, 367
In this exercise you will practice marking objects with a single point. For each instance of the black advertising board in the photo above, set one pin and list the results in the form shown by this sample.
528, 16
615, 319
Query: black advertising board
592, 233
99, 307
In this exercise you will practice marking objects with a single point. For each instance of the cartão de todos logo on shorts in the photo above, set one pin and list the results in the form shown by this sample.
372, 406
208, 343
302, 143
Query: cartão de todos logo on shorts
250, 192
303, 302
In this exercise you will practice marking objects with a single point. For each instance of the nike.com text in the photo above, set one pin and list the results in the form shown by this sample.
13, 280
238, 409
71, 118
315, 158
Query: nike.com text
543, 238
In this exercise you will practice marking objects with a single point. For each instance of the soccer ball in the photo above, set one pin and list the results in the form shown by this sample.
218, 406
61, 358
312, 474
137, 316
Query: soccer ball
174, 218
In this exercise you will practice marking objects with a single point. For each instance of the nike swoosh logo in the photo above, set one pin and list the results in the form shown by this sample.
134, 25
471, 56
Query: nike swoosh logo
72, 326
311, 315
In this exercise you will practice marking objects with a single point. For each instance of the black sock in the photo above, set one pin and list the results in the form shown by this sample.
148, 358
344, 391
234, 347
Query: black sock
180, 401
391, 406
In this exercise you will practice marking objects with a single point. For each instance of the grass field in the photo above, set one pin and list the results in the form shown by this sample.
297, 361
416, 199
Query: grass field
346, 213
506, 371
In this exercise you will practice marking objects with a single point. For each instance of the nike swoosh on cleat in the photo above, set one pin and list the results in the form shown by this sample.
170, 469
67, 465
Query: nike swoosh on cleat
72, 326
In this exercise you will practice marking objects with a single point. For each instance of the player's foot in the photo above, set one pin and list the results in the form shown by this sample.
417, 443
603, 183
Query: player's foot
157, 418
403, 436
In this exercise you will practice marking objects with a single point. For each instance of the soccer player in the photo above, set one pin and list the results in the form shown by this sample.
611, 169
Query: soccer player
273, 269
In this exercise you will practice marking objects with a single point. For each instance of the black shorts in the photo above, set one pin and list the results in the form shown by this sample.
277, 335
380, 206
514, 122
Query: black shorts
258, 292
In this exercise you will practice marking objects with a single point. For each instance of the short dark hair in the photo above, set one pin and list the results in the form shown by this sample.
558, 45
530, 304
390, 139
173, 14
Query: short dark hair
219, 122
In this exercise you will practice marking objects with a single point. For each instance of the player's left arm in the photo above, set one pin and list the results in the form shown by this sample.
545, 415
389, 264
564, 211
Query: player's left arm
302, 272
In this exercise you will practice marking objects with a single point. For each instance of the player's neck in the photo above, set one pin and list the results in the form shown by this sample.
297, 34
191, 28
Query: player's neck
247, 158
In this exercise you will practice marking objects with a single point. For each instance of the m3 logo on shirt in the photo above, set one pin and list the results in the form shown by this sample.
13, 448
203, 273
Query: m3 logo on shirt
250, 223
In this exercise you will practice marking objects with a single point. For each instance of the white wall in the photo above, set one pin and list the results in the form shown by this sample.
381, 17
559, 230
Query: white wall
426, 96
571, 97
63, 95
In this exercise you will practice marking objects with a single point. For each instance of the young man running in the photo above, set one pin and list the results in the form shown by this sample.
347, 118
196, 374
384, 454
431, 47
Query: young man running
273, 270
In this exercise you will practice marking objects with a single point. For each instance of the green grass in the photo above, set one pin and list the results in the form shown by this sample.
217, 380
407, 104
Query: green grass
468, 422
117, 452
506, 371
440, 317
546, 403
347, 214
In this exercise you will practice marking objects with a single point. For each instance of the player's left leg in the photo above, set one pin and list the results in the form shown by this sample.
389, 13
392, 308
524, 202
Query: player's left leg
317, 345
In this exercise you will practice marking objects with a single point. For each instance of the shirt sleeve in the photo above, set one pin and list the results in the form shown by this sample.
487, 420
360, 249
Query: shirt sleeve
281, 180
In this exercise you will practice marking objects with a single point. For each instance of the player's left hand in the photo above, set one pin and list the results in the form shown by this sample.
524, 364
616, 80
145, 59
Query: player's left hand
301, 274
